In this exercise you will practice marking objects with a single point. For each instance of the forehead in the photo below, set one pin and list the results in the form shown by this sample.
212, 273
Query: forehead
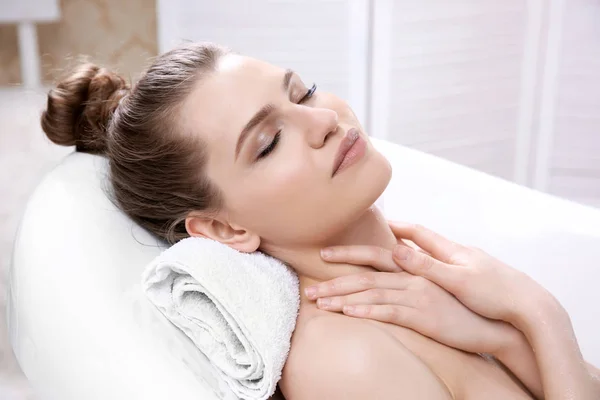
223, 101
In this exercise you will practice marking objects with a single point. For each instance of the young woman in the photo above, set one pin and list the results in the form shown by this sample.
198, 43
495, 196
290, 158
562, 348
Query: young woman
214, 144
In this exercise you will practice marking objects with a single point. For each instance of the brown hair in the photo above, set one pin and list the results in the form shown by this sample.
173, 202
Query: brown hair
155, 168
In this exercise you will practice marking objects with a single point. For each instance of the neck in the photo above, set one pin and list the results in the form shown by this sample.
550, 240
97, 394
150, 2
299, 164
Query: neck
371, 228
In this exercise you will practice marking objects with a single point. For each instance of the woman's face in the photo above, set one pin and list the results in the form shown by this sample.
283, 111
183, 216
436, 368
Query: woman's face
272, 147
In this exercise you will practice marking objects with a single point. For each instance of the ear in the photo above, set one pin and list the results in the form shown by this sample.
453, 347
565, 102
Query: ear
230, 234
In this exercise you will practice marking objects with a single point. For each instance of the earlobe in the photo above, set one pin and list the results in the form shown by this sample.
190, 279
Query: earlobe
234, 236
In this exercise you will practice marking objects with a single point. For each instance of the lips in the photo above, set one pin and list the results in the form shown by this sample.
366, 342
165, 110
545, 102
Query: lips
347, 142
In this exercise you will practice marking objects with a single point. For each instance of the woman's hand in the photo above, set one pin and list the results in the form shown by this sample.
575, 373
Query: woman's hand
482, 283
494, 290
419, 304
413, 302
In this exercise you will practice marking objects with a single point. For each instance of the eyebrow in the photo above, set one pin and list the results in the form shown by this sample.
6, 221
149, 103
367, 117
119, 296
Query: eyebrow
261, 114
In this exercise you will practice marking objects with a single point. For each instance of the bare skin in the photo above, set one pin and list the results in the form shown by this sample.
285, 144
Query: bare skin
520, 314
280, 196
385, 360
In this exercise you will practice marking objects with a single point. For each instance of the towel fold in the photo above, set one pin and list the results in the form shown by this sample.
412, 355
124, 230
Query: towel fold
239, 309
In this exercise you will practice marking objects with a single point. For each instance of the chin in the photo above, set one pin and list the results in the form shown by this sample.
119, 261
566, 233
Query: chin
381, 179
372, 180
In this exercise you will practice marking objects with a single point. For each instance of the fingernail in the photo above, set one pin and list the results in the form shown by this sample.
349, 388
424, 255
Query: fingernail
349, 310
323, 303
311, 292
326, 253
401, 252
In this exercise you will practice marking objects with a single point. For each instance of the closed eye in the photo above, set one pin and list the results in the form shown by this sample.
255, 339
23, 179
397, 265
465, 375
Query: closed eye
270, 147
308, 94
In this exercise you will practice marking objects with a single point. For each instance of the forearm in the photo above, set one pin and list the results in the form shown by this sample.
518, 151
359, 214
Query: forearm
519, 358
595, 376
563, 372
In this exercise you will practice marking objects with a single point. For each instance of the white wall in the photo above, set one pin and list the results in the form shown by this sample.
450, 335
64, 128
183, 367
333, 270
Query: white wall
511, 88
324, 41
573, 166
453, 78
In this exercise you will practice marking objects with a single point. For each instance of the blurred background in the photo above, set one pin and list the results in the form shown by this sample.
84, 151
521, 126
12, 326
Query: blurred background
511, 88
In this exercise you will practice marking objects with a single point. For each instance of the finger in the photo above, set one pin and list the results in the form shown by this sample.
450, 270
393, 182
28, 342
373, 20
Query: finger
374, 256
430, 241
421, 264
398, 315
357, 283
412, 246
371, 296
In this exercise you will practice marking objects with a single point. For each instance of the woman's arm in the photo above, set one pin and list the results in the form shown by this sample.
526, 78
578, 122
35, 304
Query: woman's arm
497, 291
563, 370
518, 356
416, 303
489, 288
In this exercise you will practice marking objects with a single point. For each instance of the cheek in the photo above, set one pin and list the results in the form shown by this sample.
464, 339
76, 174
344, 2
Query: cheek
278, 191
285, 182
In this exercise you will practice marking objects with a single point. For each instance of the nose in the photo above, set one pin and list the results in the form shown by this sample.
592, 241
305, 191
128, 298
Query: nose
319, 124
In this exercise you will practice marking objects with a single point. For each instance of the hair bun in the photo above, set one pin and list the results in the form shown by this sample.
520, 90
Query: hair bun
79, 109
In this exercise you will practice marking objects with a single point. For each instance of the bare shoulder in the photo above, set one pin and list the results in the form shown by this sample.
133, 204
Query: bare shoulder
337, 357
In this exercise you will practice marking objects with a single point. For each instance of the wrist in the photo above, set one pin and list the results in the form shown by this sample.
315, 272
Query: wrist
542, 308
513, 342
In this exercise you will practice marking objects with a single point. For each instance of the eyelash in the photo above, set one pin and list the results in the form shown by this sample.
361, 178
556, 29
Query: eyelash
308, 94
271, 146
277, 136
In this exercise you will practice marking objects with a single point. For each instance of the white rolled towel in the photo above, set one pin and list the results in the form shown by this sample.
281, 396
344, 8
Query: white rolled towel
239, 309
